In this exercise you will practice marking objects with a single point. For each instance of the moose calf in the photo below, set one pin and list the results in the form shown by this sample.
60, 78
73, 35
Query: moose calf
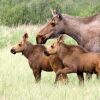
38, 61
75, 59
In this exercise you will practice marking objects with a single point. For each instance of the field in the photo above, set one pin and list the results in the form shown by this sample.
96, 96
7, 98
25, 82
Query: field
17, 81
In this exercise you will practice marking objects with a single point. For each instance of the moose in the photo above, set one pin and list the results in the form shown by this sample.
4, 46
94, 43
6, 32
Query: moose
85, 30
38, 61
75, 59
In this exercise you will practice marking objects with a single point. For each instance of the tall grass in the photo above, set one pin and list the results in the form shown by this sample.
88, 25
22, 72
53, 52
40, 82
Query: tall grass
17, 82
11, 35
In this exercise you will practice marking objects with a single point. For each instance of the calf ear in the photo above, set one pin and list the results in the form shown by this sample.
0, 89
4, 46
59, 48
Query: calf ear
60, 39
25, 36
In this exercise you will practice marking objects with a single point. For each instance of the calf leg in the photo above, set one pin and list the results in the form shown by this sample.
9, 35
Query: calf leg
80, 77
67, 70
98, 71
61, 77
64, 71
37, 74
56, 67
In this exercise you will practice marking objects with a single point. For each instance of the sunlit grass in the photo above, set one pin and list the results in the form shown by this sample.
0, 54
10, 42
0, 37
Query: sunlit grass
11, 35
17, 82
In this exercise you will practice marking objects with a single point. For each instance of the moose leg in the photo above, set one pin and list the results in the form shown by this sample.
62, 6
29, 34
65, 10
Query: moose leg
98, 71
88, 76
37, 74
58, 78
61, 77
65, 70
80, 77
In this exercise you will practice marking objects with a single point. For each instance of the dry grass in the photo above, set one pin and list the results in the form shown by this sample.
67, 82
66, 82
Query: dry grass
17, 81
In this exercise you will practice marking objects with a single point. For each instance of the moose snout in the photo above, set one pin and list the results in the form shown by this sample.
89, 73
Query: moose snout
13, 51
40, 39
46, 53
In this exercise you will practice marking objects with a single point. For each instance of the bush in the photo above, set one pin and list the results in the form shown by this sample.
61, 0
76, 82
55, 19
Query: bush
14, 12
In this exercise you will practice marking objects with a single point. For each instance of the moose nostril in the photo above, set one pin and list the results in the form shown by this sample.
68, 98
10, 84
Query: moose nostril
13, 51
46, 53
40, 39
37, 40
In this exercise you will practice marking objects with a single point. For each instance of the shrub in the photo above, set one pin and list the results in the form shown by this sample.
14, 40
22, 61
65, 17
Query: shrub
14, 12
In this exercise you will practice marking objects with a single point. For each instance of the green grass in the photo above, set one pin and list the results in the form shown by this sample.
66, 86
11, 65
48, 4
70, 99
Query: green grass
17, 81
11, 35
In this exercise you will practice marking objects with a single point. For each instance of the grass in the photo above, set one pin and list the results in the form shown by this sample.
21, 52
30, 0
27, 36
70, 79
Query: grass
11, 35
17, 81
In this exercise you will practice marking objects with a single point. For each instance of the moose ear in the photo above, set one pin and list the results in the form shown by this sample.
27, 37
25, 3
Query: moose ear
56, 13
60, 39
59, 15
25, 36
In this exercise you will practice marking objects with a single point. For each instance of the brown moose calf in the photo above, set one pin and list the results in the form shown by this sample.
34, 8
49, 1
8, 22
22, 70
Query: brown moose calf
75, 59
38, 61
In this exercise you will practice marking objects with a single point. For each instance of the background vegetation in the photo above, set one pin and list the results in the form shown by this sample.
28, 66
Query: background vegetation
11, 35
14, 12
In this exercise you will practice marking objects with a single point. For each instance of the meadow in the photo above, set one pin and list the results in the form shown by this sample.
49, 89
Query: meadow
17, 81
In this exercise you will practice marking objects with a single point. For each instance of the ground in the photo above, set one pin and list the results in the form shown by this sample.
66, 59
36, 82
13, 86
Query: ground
17, 81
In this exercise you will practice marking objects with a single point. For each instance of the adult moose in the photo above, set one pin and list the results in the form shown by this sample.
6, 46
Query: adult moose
85, 30
38, 61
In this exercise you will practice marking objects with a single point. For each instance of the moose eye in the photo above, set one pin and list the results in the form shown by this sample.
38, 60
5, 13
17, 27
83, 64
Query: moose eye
52, 46
53, 24
20, 45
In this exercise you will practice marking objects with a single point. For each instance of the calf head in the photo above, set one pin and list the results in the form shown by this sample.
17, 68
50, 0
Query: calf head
21, 46
53, 49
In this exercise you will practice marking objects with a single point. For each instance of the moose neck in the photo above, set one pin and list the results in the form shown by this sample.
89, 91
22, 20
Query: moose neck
29, 50
64, 50
73, 28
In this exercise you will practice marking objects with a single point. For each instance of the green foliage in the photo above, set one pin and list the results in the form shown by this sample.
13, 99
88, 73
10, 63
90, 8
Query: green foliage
14, 12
